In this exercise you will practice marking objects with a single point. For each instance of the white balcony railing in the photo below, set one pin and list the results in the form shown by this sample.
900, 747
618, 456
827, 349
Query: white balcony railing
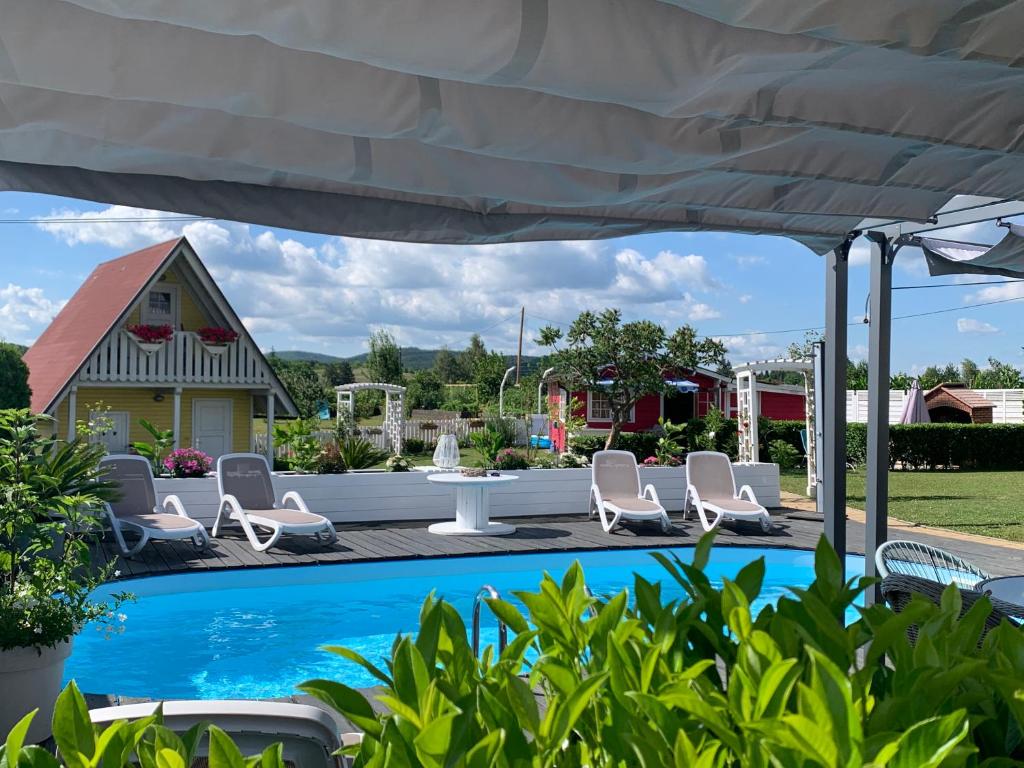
181, 360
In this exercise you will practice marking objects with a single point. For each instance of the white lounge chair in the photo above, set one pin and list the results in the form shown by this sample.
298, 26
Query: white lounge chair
711, 489
908, 558
615, 492
247, 498
137, 509
308, 735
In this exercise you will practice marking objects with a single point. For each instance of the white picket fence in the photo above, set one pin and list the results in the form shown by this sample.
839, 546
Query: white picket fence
461, 428
1008, 405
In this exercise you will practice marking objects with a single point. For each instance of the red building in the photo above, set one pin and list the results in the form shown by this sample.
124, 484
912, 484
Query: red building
776, 402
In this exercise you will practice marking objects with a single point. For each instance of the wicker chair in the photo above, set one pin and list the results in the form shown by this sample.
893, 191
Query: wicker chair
909, 558
898, 591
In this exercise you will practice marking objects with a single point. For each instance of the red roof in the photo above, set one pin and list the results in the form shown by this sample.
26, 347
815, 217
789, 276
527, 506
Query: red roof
97, 305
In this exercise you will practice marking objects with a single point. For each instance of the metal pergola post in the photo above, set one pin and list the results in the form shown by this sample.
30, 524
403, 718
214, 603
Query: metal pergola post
833, 449
879, 348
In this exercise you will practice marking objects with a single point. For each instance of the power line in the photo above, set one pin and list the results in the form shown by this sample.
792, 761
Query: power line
954, 285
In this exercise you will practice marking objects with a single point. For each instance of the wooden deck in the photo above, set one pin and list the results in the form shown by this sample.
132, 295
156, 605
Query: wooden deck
794, 528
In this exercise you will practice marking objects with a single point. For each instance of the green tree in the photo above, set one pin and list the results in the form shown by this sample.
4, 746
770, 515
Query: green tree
634, 358
969, 372
384, 362
448, 367
472, 354
999, 375
856, 374
932, 376
338, 373
425, 390
14, 389
302, 380
487, 374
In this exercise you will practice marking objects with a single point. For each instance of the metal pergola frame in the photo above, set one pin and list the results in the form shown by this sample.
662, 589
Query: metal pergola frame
886, 237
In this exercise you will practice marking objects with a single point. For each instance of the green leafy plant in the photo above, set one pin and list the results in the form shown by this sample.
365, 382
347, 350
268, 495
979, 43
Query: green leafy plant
784, 454
414, 445
49, 491
330, 461
668, 448
155, 452
143, 743
489, 443
359, 453
644, 679
714, 425
509, 459
14, 389
299, 438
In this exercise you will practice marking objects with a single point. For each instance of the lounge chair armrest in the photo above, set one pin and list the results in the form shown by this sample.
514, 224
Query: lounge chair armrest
173, 501
231, 501
650, 492
749, 492
294, 497
595, 494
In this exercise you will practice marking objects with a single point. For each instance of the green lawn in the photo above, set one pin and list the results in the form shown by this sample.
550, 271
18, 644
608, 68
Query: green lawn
468, 457
987, 503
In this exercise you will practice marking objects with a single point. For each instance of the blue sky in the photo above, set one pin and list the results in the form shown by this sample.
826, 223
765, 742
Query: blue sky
295, 290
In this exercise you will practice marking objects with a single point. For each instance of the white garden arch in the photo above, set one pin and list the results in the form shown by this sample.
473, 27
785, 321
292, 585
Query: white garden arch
747, 410
394, 409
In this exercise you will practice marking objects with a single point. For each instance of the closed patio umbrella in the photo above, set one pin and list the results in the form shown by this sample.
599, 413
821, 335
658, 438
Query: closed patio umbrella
914, 409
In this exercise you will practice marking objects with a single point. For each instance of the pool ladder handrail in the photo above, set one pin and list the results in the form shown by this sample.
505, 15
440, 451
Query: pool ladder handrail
487, 591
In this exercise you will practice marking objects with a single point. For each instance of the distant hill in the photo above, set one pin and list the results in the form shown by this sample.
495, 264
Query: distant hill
413, 358
313, 357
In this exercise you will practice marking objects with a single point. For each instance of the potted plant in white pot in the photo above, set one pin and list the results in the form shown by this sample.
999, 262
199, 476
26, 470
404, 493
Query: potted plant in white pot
47, 491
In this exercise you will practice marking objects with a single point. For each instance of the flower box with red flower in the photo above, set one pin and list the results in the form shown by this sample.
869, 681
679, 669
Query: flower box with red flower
216, 340
150, 338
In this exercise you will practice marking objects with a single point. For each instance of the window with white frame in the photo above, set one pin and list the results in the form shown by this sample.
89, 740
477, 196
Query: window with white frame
160, 305
599, 407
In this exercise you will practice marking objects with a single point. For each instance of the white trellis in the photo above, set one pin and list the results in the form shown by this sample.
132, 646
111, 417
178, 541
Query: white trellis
748, 410
394, 409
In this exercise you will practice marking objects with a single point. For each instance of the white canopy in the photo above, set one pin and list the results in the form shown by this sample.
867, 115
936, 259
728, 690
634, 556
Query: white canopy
948, 257
494, 120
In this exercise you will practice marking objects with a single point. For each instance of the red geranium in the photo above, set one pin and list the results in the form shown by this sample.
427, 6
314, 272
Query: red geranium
217, 335
151, 334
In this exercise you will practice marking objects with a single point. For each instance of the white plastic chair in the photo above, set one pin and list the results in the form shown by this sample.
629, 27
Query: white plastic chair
308, 735
909, 558
711, 489
137, 509
615, 492
247, 498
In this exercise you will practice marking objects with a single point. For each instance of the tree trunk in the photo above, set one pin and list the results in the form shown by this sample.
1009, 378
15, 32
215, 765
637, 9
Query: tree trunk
612, 434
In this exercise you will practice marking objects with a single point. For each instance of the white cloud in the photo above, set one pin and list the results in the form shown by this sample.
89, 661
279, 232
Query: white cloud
970, 325
746, 298
752, 346
749, 260
702, 312
429, 294
1000, 292
25, 311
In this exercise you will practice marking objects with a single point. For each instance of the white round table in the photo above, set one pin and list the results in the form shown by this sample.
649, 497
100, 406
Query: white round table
1008, 588
472, 505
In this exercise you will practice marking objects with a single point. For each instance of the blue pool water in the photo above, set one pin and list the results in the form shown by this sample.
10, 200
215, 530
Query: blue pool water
257, 633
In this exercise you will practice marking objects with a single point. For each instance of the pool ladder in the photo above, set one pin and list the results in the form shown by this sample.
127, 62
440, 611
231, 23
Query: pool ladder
488, 591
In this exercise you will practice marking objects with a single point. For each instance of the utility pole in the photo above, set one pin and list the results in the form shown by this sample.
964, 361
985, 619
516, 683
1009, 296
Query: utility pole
519, 354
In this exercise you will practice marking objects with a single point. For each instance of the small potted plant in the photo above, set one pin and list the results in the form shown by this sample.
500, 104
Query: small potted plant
150, 338
216, 340
398, 463
50, 489
188, 462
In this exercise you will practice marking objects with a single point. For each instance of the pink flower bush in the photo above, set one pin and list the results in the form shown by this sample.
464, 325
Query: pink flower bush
151, 334
651, 461
188, 462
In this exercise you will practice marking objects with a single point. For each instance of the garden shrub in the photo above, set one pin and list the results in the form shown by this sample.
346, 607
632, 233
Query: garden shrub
509, 459
413, 445
961, 446
359, 453
330, 461
784, 454
643, 679
14, 389
640, 444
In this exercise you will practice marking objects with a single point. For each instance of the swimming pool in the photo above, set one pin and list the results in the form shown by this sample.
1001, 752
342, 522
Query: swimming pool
257, 633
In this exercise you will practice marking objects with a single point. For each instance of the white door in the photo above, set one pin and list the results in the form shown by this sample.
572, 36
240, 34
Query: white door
211, 426
114, 434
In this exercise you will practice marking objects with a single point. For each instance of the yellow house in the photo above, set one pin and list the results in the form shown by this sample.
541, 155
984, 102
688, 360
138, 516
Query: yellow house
207, 392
